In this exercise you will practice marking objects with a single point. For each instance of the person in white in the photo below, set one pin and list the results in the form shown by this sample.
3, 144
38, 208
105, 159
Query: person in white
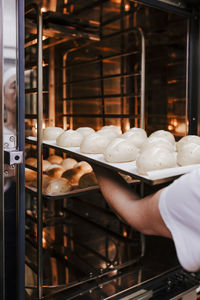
172, 212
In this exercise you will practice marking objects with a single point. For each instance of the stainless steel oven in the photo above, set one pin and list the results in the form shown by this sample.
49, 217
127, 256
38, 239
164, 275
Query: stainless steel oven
92, 63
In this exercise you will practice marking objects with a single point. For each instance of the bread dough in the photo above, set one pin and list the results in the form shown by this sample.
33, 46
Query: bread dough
55, 159
73, 175
45, 165
156, 159
55, 172
88, 180
112, 128
51, 133
94, 143
189, 154
119, 150
30, 175
135, 138
187, 139
84, 131
31, 161
58, 186
110, 133
138, 131
68, 163
158, 142
85, 166
45, 180
164, 134
69, 138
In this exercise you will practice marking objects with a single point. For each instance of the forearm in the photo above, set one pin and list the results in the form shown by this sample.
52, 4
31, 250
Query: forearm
142, 214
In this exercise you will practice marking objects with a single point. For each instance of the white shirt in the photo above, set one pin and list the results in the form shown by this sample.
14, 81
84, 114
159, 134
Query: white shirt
179, 206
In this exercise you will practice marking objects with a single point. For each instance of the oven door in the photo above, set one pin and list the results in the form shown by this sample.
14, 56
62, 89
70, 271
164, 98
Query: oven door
11, 143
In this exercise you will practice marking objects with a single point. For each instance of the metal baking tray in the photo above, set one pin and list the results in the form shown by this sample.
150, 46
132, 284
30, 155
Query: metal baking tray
129, 168
75, 192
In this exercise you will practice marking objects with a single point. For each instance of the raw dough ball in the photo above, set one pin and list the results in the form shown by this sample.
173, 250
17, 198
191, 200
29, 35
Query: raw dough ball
69, 138
158, 142
87, 180
156, 159
31, 161
135, 138
51, 133
189, 154
55, 159
45, 165
55, 172
110, 133
84, 131
113, 128
138, 131
119, 150
187, 139
85, 167
30, 175
68, 163
45, 180
73, 175
164, 134
94, 143
58, 186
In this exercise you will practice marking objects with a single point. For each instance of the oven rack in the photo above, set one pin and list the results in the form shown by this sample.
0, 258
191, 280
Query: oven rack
75, 192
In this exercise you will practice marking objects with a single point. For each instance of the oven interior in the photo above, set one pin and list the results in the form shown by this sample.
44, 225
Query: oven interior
110, 62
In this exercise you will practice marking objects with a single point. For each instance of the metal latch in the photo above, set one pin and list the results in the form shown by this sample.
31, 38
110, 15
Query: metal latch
12, 157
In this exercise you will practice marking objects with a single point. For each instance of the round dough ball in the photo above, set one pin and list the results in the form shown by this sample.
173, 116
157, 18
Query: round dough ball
55, 172
111, 134
189, 154
51, 133
158, 142
73, 175
135, 138
31, 161
113, 128
156, 159
85, 166
45, 165
55, 159
187, 139
68, 163
85, 131
88, 180
164, 134
119, 150
69, 138
58, 186
45, 180
53, 166
94, 143
138, 131
30, 175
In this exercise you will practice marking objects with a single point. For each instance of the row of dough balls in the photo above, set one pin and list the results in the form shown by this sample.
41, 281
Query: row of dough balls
158, 151
61, 175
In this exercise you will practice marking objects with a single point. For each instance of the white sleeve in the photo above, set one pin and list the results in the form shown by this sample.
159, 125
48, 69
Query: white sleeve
179, 206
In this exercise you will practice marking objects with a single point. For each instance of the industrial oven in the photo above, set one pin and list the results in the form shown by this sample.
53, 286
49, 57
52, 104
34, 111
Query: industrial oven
90, 63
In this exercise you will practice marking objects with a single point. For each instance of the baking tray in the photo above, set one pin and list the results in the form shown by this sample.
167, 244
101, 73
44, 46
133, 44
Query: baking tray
75, 192
129, 168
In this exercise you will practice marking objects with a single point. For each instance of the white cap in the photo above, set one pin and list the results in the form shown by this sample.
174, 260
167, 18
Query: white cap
8, 74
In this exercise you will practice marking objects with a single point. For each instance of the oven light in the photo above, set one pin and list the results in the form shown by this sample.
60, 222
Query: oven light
43, 9
170, 127
127, 7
